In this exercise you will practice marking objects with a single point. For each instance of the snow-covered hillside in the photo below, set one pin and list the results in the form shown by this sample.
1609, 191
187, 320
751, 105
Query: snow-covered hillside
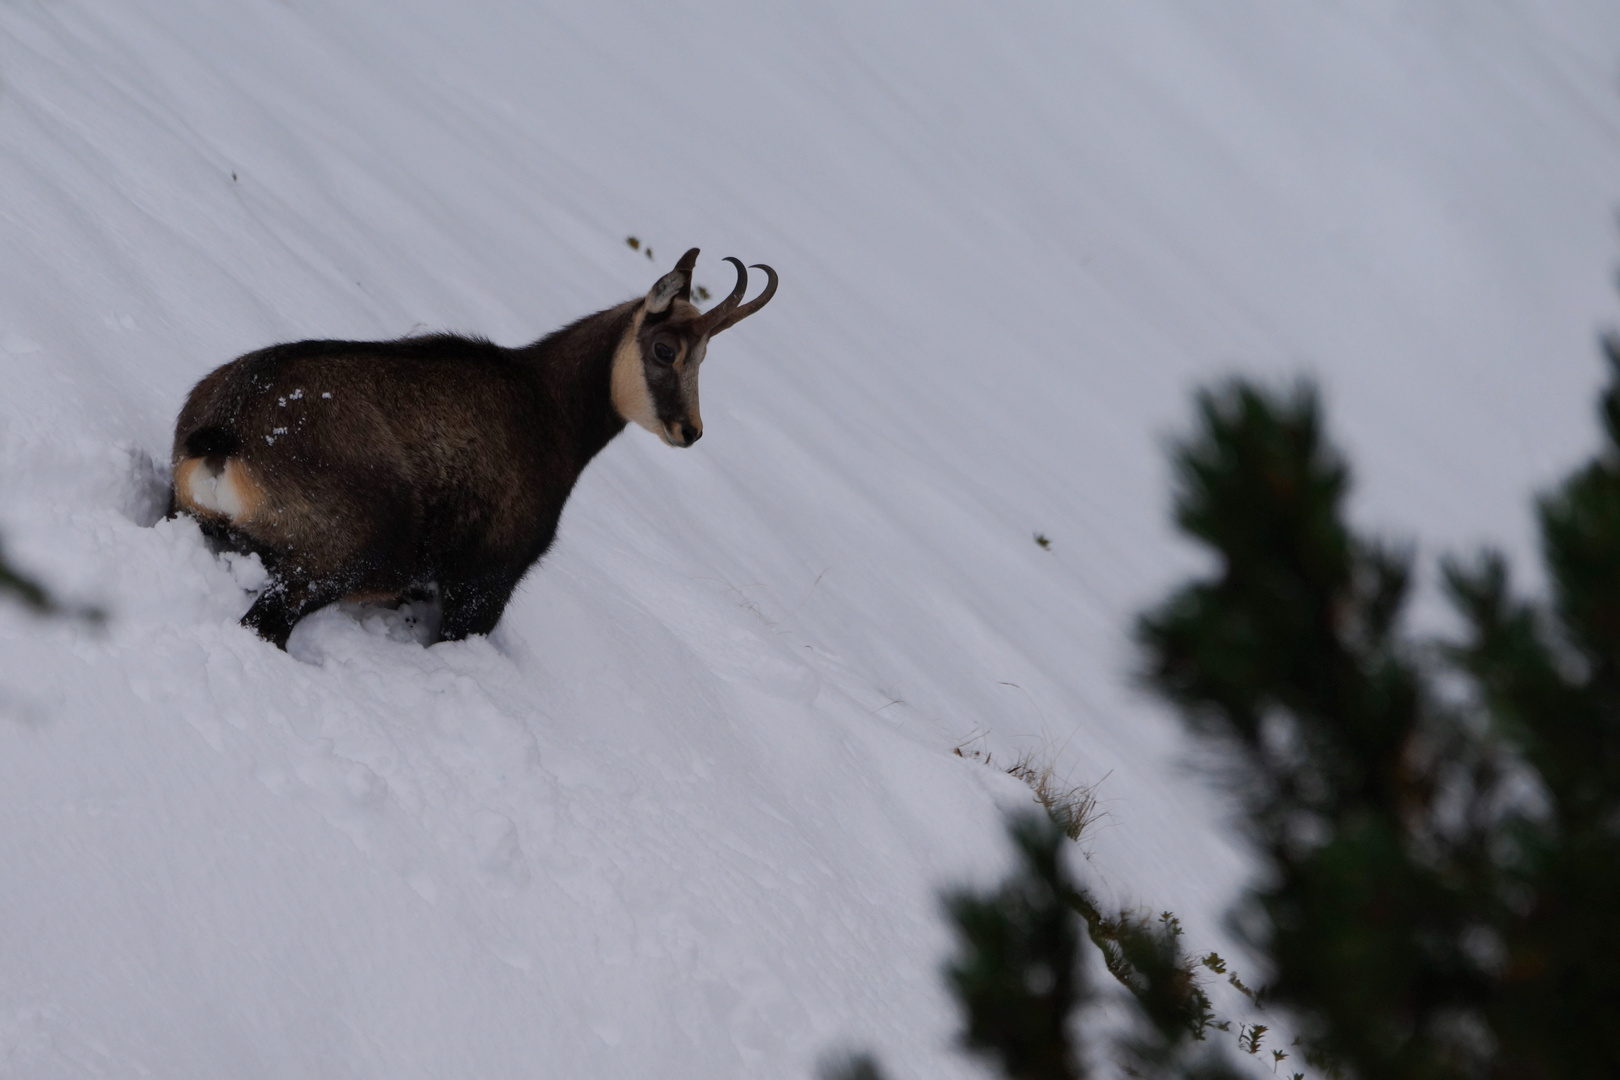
685, 814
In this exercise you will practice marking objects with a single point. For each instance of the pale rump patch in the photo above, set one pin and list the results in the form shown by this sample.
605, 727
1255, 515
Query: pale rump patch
631, 398
228, 492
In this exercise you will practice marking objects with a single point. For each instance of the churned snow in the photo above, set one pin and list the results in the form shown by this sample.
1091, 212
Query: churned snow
686, 813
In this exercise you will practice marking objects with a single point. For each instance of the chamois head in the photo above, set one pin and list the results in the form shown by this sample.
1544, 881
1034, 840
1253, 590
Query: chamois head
655, 369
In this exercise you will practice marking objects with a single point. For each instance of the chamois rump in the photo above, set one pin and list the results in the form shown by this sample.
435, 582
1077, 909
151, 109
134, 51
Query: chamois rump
373, 470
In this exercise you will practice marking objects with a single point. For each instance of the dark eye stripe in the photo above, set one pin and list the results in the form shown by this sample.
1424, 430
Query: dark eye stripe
664, 353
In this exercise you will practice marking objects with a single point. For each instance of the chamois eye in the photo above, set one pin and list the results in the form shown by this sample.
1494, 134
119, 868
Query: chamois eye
664, 353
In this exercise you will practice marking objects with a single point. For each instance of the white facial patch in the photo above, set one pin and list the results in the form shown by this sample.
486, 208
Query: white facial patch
631, 397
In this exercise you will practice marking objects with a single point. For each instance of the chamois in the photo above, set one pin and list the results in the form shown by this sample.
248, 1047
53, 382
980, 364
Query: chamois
372, 470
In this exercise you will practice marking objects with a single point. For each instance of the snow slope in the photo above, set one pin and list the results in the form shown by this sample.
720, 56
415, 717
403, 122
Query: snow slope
686, 812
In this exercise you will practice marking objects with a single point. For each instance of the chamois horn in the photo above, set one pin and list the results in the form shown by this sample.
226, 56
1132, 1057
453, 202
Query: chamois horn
714, 316
752, 306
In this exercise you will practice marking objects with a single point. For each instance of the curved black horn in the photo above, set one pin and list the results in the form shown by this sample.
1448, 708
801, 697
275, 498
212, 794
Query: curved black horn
718, 314
753, 305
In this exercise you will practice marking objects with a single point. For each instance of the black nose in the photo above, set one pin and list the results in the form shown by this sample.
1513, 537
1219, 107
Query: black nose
690, 434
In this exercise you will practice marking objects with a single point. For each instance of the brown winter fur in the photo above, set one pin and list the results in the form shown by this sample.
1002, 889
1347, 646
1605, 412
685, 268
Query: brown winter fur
370, 469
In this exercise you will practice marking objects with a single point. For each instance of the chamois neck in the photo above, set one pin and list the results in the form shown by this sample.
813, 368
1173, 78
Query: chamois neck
575, 365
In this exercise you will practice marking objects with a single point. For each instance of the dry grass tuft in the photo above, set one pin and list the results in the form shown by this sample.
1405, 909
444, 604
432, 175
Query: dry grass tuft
1073, 806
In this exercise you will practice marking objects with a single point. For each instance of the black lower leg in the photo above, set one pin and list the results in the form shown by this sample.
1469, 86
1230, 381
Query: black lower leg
473, 606
272, 617
282, 604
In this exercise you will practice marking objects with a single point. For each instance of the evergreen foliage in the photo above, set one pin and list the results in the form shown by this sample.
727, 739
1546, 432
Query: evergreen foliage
1438, 822
17, 586
20, 587
1442, 868
1017, 976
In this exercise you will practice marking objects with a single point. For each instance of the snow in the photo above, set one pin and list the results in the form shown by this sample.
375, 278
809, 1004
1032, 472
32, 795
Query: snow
687, 811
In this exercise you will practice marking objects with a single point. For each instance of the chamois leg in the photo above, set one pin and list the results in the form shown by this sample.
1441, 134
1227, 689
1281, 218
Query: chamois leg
284, 602
473, 605
298, 588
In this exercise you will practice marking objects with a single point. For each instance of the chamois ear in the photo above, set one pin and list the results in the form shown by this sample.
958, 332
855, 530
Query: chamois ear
675, 285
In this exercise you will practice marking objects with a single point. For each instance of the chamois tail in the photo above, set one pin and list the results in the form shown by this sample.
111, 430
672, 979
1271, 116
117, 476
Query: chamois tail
208, 442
